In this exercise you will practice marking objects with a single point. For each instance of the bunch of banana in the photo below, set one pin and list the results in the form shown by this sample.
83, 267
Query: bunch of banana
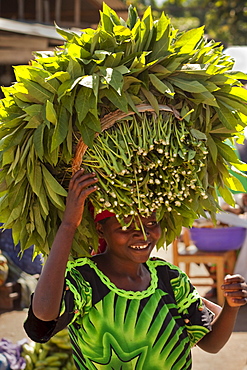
56, 354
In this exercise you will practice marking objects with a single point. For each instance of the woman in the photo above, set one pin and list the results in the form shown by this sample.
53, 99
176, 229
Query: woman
123, 309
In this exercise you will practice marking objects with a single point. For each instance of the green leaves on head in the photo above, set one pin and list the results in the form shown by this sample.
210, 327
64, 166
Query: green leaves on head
63, 95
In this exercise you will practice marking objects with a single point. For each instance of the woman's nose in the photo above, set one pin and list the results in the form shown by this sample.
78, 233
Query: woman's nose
142, 231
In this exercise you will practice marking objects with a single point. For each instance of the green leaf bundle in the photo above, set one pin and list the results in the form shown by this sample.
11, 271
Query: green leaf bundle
175, 100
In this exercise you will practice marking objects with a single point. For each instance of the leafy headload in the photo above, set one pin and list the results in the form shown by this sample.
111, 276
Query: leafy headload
172, 100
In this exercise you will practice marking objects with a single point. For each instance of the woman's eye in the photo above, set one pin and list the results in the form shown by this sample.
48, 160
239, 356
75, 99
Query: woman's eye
125, 228
130, 227
152, 223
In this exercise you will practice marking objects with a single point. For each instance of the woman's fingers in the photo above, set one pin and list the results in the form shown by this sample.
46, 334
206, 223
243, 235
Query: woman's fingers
80, 180
240, 294
229, 279
89, 189
234, 286
234, 283
81, 185
235, 289
235, 301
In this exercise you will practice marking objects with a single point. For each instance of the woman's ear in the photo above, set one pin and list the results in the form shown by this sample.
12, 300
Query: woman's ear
99, 229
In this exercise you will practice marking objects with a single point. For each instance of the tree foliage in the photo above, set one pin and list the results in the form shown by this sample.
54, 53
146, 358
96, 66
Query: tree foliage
224, 20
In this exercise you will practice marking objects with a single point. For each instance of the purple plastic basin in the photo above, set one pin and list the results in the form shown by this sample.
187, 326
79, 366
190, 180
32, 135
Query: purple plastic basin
218, 239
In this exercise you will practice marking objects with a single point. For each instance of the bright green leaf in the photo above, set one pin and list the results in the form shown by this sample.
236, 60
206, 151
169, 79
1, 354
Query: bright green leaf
119, 101
51, 114
53, 184
61, 128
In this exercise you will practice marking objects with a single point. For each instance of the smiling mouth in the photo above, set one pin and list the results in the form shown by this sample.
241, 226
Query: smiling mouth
139, 247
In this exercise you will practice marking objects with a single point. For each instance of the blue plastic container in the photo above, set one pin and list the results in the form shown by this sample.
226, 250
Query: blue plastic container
218, 239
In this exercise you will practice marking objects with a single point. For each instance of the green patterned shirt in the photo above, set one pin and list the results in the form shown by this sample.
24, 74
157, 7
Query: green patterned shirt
115, 329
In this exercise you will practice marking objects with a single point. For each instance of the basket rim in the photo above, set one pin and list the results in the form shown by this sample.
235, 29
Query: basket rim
108, 120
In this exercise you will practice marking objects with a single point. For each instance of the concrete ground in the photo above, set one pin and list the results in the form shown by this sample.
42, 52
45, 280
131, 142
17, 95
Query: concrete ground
232, 357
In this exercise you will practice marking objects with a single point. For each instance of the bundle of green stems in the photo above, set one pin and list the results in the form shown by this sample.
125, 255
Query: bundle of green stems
144, 163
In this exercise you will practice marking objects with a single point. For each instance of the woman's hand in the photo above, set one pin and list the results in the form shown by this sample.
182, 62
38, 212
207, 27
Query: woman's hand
49, 290
235, 290
80, 186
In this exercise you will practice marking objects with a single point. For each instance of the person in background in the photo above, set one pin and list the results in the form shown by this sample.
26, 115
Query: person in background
23, 270
241, 204
26, 262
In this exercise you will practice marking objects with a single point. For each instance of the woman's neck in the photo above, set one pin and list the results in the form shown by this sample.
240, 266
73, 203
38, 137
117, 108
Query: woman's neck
127, 276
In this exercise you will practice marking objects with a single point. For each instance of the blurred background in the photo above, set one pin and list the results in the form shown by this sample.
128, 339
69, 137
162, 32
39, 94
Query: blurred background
28, 25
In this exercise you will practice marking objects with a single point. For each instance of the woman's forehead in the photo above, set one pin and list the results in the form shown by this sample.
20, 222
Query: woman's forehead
136, 220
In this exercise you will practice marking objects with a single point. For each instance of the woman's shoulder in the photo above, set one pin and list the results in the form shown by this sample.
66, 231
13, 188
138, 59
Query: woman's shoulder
166, 270
81, 268
78, 262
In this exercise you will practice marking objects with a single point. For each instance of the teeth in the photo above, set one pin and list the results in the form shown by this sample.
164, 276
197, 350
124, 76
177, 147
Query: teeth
139, 246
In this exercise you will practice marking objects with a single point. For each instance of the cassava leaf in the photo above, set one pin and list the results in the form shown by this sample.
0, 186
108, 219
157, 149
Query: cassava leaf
163, 40
51, 114
160, 85
191, 86
38, 93
53, 184
61, 128
226, 195
114, 78
187, 42
119, 101
212, 148
227, 152
151, 99
198, 134
234, 184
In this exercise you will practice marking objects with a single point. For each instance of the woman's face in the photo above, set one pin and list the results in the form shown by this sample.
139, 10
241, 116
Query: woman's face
131, 244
